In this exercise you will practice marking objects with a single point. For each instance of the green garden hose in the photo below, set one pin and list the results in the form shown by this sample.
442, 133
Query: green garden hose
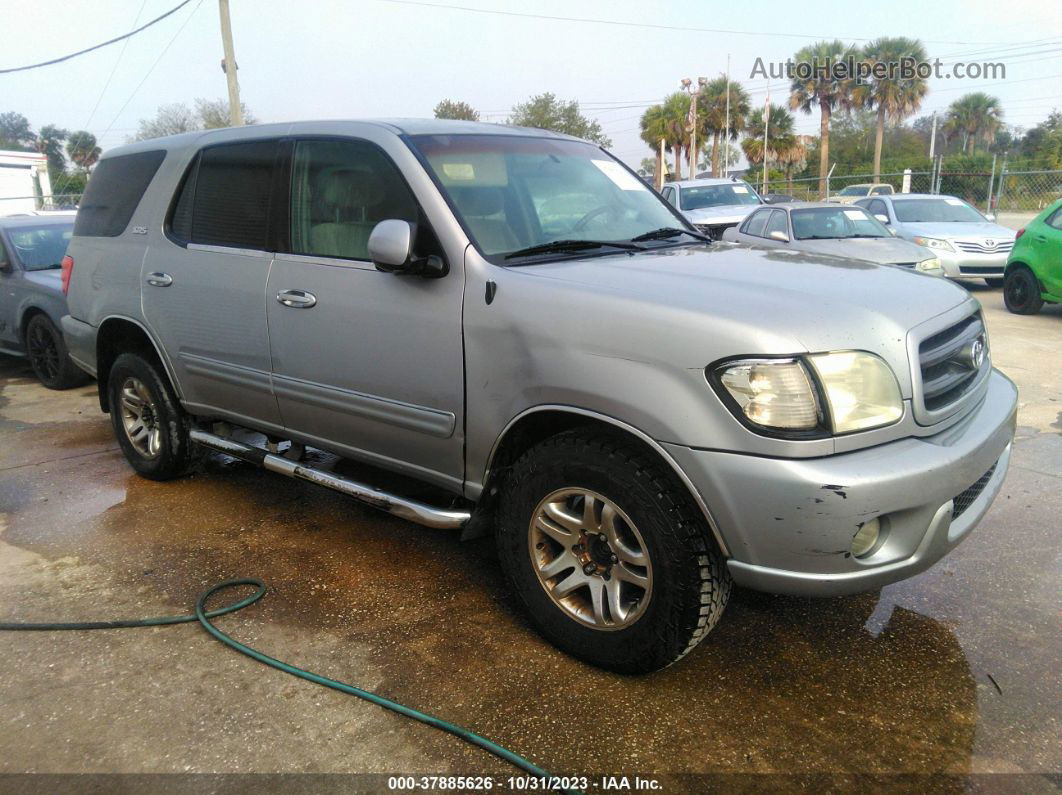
203, 616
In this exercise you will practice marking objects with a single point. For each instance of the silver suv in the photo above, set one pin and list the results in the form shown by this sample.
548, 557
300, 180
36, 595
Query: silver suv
516, 320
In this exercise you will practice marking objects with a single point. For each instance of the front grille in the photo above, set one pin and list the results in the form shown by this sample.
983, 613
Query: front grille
979, 270
965, 499
905, 264
979, 246
947, 362
714, 231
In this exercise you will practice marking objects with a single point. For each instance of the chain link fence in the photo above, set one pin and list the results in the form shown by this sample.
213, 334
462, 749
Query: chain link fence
24, 205
1022, 193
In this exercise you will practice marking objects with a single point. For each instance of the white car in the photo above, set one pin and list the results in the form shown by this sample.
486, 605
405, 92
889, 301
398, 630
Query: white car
713, 204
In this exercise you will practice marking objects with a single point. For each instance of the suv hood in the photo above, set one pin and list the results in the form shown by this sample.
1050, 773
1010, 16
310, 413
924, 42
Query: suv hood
698, 304
720, 214
961, 231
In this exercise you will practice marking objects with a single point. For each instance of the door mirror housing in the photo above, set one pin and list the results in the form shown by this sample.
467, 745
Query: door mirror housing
779, 236
391, 250
990, 216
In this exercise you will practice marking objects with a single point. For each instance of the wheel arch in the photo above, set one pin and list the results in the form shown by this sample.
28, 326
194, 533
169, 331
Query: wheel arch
538, 423
116, 335
26, 314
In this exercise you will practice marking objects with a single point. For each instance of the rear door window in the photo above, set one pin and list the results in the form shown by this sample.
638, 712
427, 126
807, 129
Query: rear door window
113, 193
226, 198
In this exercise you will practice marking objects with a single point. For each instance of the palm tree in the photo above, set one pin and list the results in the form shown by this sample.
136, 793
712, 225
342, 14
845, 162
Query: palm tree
712, 114
893, 96
780, 137
974, 116
676, 111
82, 148
814, 85
49, 142
654, 129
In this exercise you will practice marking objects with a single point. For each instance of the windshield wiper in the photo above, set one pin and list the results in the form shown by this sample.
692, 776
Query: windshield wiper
571, 245
665, 232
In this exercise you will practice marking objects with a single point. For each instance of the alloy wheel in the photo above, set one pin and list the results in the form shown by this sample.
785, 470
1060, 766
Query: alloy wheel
140, 418
43, 351
590, 558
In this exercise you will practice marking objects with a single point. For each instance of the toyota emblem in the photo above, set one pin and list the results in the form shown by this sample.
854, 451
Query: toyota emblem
990, 244
977, 353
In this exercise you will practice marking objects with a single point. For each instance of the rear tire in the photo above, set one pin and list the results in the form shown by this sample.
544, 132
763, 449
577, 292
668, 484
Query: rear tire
995, 282
1021, 291
149, 423
579, 572
48, 356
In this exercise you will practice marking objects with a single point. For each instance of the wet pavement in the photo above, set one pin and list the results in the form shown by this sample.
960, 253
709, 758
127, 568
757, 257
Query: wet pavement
956, 671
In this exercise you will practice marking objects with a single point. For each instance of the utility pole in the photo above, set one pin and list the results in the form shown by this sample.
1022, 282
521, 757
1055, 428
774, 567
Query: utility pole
933, 137
661, 165
726, 125
229, 66
691, 118
766, 126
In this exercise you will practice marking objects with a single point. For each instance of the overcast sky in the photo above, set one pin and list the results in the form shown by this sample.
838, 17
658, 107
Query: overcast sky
360, 58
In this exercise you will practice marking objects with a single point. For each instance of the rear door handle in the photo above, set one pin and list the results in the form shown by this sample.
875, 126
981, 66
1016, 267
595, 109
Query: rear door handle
1041, 239
297, 299
159, 279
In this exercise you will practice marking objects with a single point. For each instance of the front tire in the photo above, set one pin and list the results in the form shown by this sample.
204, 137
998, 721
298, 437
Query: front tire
48, 356
148, 421
1021, 291
607, 553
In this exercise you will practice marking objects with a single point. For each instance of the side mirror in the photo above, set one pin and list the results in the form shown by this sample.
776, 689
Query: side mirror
990, 216
778, 235
881, 217
391, 250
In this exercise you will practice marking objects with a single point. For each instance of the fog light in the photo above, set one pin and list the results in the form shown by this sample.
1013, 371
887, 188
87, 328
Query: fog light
867, 538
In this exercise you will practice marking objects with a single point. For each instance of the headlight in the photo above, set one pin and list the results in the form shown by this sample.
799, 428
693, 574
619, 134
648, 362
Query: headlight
858, 391
773, 393
861, 390
930, 264
932, 242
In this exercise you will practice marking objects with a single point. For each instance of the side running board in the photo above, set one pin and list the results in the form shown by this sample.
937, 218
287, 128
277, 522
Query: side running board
413, 510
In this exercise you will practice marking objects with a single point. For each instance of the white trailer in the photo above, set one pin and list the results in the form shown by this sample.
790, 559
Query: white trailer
24, 183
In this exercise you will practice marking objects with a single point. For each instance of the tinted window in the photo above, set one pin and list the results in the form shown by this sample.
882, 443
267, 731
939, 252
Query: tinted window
1055, 220
114, 191
669, 194
881, 190
340, 191
231, 190
832, 223
877, 207
756, 223
777, 224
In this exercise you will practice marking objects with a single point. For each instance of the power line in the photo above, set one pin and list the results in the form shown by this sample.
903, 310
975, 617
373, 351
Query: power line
162, 54
649, 25
115, 40
114, 69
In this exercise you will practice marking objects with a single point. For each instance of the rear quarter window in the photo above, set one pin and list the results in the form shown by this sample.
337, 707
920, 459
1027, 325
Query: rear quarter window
115, 189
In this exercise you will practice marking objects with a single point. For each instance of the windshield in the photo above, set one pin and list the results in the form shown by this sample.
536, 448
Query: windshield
701, 196
512, 192
39, 248
819, 223
936, 211
855, 190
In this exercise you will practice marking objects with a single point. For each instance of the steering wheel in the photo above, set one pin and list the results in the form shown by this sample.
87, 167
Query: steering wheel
581, 224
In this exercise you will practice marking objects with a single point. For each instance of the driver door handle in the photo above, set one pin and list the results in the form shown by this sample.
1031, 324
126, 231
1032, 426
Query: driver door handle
297, 299
159, 279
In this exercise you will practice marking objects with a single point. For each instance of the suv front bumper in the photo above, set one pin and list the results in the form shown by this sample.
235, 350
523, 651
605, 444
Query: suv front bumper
789, 523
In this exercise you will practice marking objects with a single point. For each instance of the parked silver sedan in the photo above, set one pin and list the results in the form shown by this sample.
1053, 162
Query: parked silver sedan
968, 244
837, 230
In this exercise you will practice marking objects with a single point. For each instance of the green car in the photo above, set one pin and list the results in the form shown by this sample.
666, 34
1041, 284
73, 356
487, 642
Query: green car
1034, 268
